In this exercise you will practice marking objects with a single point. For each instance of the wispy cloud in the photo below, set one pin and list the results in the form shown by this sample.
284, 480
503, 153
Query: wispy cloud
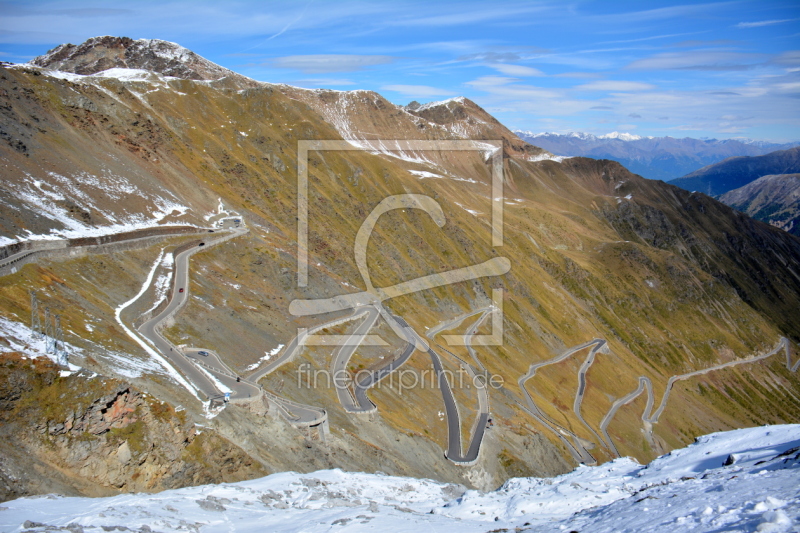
698, 60
460, 15
326, 82
322, 63
578, 75
789, 58
92, 12
663, 13
761, 23
417, 91
697, 43
517, 70
491, 56
506, 56
615, 86
651, 38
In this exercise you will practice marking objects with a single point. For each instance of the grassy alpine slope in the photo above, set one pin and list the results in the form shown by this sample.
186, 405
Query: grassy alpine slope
675, 282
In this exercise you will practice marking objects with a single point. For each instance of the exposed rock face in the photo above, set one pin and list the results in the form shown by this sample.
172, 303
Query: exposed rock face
102, 53
81, 435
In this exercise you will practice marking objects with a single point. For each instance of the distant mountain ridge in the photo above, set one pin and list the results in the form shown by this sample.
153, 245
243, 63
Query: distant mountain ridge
736, 172
773, 199
663, 158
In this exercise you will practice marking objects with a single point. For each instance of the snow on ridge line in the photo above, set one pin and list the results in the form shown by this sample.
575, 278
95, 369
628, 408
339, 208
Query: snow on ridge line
547, 156
456, 99
584, 136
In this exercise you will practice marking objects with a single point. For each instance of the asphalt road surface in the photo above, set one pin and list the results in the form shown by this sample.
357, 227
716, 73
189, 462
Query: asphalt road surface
342, 356
150, 328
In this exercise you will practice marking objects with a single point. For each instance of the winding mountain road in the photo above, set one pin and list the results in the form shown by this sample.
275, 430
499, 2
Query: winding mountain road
576, 405
342, 355
577, 450
455, 449
649, 418
645, 384
150, 330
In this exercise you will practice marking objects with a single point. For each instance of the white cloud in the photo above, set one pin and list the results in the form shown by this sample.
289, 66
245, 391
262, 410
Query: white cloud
417, 91
578, 75
326, 82
453, 16
321, 63
611, 85
698, 60
516, 70
789, 58
491, 81
763, 23
792, 87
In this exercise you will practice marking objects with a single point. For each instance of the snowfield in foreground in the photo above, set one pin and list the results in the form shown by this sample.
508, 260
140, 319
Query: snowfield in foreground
686, 490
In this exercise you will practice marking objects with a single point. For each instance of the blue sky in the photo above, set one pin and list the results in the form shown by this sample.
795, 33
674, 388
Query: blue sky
704, 69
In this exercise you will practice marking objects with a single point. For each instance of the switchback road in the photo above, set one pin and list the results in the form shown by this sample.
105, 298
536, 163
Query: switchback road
150, 329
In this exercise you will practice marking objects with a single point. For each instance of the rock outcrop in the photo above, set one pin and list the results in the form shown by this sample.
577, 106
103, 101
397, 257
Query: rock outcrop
102, 53
90, 435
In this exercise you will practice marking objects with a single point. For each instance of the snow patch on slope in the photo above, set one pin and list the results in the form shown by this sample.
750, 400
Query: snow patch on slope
20, 338
163, 281
171, 371
49, 200
267, 356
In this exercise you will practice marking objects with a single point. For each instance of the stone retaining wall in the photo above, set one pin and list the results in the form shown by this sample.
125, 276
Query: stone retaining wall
69, 248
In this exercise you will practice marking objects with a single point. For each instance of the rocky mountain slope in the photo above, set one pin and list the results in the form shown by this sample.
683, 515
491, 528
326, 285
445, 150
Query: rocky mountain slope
663, 158
99, 54
775, 199
736, 172
78, 433
675, 282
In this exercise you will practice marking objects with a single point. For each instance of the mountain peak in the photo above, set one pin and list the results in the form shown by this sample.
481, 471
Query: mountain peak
98, 54
620, 136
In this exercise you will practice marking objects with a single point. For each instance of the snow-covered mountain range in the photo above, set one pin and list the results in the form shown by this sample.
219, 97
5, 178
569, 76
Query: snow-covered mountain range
663, 158
742, 480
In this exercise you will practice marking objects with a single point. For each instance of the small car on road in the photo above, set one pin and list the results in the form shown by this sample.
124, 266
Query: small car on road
202, 353
180, 290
